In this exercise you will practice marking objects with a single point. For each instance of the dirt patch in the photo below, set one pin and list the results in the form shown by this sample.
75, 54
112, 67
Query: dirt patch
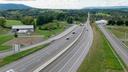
24, 41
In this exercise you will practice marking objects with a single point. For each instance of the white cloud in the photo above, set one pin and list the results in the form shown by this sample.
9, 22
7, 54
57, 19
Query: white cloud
68, 4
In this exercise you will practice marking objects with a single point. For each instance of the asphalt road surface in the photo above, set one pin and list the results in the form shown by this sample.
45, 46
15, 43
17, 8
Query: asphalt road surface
73, 57
118, 46
76, 47
6, 53
33, 61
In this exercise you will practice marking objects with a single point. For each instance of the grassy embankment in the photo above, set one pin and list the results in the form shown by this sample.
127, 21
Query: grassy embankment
119, 31
4, 36
100, 57
52, 29
17, 56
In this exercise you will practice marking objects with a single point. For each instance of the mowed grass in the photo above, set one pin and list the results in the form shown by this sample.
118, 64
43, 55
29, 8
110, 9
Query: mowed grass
46, 33
9, 23
100, 57
17, 56
3, 31
119, 31
3, 39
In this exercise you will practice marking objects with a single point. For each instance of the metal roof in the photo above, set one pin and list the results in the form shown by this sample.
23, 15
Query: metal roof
102, 21
22, 26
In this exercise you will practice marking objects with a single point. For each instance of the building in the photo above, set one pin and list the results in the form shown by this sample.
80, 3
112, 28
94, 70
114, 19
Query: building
104, 22
23, 29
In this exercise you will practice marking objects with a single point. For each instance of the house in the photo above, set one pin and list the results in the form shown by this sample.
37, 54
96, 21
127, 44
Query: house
104, 22
23, 29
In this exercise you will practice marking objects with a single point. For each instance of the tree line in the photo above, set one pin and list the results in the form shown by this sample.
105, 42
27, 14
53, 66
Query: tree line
119, 22
43, 16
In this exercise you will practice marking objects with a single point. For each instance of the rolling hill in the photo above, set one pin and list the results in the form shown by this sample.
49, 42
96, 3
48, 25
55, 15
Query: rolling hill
13, 6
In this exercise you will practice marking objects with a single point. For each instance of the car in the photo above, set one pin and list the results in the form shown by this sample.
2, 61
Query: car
67, 38
73, 32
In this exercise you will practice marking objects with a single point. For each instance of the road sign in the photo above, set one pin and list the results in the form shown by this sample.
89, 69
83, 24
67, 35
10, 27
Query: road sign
16, 48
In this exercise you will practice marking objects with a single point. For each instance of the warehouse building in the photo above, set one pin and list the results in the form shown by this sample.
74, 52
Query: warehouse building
23, 29
103, 22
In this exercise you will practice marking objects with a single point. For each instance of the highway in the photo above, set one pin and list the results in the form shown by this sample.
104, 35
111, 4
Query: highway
62, 55
10, 52
73, 57
118, 46
36, 59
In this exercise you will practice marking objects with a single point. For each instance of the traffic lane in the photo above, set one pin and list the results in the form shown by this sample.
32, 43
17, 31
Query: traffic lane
115, 42
83, 54
40, 56
56, 52
118, 47
66, 32
72, 54
73, 60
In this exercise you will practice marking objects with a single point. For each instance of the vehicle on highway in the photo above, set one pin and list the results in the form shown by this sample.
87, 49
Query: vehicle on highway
74, 33
67, 38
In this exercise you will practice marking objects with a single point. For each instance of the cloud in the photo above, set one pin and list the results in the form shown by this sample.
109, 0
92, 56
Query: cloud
69, 4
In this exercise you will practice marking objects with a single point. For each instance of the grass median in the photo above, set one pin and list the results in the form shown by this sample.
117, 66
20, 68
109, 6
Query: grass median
100, 57
17, 56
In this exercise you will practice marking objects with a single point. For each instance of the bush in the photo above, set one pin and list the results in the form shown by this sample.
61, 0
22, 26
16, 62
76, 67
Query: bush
52, 26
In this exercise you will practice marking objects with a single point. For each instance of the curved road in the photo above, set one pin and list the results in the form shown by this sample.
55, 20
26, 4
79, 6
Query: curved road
33, 61
76, 48
72, 58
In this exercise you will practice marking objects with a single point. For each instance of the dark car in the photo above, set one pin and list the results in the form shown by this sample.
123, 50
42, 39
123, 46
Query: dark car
74, 33
67, 38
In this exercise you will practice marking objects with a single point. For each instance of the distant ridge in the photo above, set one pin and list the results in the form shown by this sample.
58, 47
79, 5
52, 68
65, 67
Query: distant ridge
11, 6
109, 7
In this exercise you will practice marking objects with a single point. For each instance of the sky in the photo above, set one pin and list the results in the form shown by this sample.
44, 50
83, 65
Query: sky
68, 4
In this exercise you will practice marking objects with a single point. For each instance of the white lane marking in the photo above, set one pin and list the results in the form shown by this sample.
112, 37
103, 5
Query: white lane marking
55, 57
86, 48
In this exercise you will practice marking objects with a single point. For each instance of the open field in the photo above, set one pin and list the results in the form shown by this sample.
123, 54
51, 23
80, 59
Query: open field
3, 31
100, 57
7, 40
3, 39
119, 31
9, 23
59, 27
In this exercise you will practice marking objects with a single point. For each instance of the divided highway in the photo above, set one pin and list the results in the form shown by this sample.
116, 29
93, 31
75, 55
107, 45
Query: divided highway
118, 46
36, 59
73, 57
62, 55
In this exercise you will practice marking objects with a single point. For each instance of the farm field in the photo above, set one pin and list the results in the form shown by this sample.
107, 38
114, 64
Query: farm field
120, 32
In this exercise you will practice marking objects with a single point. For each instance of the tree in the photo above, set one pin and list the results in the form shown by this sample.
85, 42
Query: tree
111, 22
61, 16
43, 19
70, 19
28, 20
126, 23
2, 21
120, 22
